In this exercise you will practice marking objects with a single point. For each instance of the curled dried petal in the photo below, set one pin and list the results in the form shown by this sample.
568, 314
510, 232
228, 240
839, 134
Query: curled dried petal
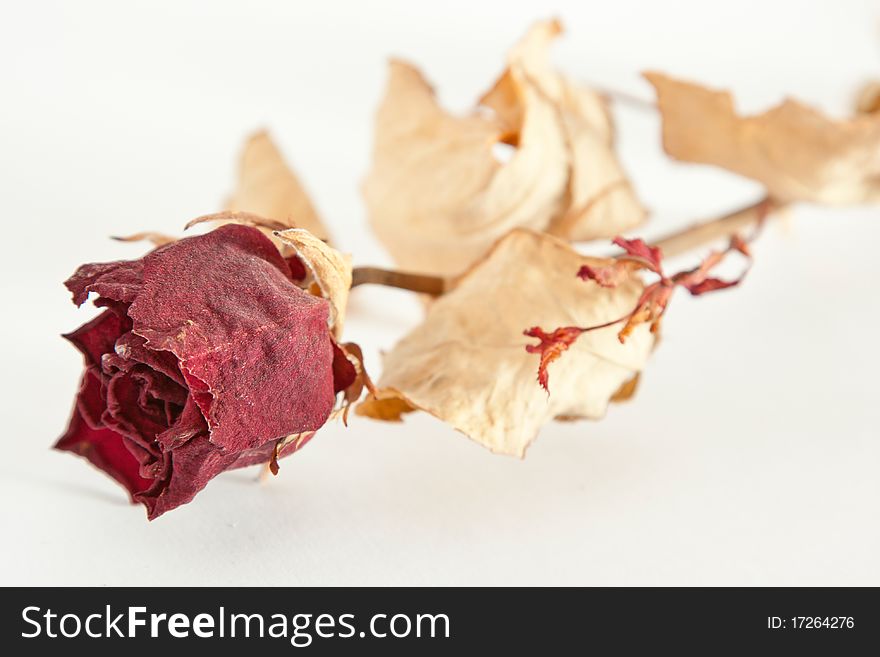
331, 270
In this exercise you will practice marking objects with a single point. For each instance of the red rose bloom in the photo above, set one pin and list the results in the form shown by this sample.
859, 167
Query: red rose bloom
207, 355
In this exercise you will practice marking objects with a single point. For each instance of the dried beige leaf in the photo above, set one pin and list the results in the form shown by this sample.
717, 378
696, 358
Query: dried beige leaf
467, 364
330, 269
439, 194
600, 200
269, 188
797, 153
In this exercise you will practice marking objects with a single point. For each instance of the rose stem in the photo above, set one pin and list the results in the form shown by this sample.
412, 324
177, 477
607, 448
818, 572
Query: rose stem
424, 283
672, 245
624, 98
702, 233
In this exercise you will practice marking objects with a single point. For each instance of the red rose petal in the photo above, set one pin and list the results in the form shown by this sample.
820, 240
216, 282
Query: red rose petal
125, 415
248, 339
298, 271
98, 336
189, 424
133, 347
90, 400
105, 450
119, 281
344, 372
191, 467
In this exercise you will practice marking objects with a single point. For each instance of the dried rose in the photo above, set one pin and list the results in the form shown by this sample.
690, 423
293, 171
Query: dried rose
208, 356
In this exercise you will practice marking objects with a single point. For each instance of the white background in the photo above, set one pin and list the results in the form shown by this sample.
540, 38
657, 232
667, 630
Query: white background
750, 455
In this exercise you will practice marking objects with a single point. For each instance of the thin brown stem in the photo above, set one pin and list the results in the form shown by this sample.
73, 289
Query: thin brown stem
705, 232
423, 283
672, 245
624, 98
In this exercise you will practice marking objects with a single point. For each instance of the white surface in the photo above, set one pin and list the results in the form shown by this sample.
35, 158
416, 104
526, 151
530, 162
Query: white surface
750, 455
